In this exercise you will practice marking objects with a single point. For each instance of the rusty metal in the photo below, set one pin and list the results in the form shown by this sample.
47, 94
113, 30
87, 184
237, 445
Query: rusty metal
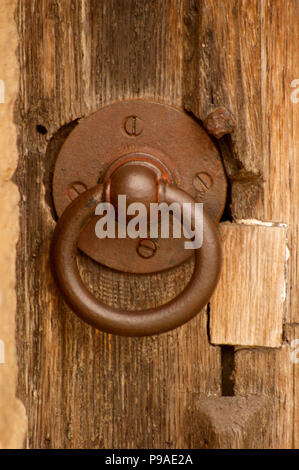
202, 182
160, 135
139, 323
133, 126
75, 189
219, 122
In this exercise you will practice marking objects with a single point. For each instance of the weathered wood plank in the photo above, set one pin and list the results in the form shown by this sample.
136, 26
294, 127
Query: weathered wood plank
230, 76
292, 338
280, 66
247, 307
12, 413
250, 48
83, 388
270, 372
86, 389
248, 61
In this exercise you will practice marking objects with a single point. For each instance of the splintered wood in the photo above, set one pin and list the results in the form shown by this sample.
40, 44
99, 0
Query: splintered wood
248, 305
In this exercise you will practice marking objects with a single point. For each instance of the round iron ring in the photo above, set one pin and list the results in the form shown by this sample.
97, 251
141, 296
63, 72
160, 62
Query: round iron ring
132, 323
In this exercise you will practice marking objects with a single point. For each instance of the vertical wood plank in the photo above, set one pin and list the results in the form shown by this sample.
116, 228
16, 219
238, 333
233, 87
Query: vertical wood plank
12, 413
250, 48
230, 76
249, 58
270, 373
280, 66
292, 337
83, 388
75, 57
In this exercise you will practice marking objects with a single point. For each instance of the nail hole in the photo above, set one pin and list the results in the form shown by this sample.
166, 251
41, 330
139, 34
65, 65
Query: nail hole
41, 129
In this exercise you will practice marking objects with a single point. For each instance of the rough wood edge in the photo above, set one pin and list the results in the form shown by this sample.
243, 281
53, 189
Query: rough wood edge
13, 421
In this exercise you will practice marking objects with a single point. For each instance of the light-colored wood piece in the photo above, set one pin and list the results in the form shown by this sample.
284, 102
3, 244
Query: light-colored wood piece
13, 422
295, 359
292, 338
248, 305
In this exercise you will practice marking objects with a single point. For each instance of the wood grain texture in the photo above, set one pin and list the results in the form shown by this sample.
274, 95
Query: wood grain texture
83, 388
249, 57
229, 58
280, 121
270, 373
12, 413
292, 338
247, 307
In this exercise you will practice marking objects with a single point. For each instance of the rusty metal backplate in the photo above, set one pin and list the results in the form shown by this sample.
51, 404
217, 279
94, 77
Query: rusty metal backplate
130, 130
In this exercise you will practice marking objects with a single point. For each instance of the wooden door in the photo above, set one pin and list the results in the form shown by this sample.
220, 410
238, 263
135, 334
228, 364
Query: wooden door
228, 378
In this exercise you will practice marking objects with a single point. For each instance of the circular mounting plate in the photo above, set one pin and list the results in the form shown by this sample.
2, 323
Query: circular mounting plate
129, 128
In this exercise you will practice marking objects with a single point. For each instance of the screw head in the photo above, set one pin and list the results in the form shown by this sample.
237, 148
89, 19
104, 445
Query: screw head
146, 248
75, 189
202, 182
133, 126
